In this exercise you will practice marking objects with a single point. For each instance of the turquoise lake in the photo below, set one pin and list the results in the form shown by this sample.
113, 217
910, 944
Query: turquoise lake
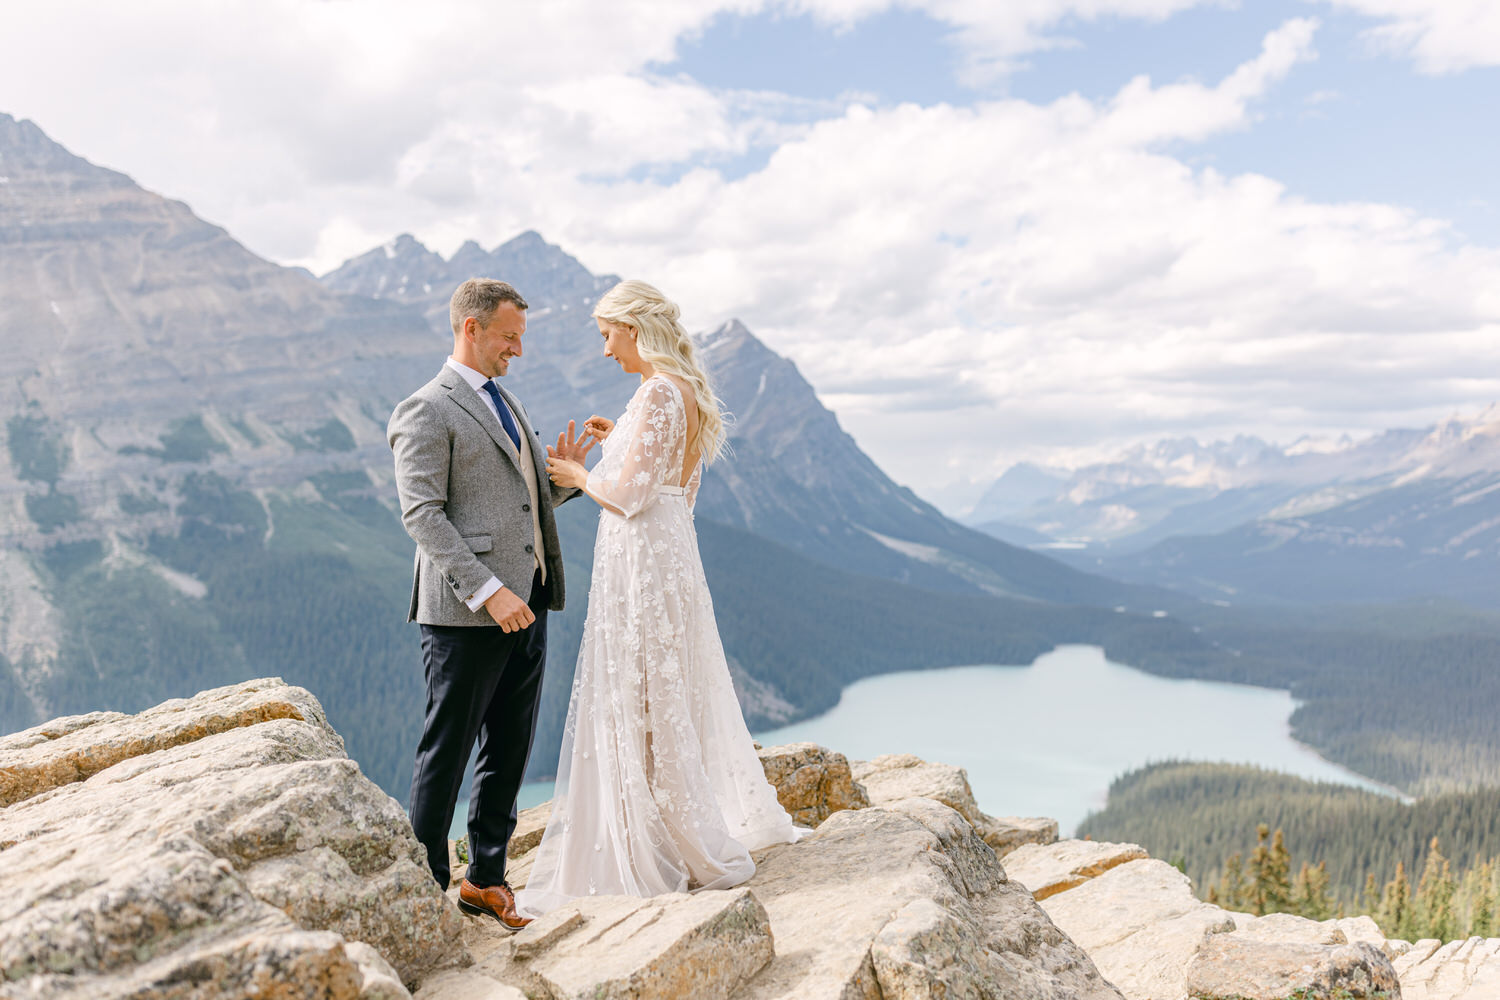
1047, 739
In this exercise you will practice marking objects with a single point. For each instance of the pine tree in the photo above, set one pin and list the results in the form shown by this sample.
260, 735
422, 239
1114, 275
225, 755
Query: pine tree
1259, 862
1231, 892
1310, 892
1434, 899
1394, 915
1276, 889
1370, 899
1482, 915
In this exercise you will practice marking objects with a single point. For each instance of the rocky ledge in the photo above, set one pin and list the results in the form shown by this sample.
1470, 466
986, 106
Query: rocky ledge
1138, 919
225, 846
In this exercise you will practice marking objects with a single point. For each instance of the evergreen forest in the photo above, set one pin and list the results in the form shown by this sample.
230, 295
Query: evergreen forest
1261, 842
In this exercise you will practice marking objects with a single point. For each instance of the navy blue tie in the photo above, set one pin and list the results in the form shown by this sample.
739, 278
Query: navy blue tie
506, 420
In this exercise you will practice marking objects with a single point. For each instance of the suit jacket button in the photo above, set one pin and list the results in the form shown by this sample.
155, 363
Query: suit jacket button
526, 508
528, 548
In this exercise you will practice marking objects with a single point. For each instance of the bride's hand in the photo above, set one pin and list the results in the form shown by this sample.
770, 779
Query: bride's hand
564, 472
598, 427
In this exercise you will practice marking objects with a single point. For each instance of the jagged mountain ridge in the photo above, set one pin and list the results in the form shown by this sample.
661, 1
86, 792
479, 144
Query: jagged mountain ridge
116, 298
796, 477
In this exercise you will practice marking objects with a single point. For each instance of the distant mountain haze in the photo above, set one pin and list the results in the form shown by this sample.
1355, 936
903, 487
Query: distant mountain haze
1402, 514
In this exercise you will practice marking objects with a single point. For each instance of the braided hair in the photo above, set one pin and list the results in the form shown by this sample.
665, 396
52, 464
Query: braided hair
666, 346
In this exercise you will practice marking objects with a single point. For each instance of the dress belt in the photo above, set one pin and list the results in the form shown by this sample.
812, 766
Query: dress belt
672, 491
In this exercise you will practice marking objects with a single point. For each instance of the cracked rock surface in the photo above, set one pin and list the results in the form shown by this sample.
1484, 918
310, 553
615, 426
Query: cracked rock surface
895, 776
894, 901
214, 846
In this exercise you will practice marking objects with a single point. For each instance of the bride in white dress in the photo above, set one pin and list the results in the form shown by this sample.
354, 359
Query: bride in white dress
659, 788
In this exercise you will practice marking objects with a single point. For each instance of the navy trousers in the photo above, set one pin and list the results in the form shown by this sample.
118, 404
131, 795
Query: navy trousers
483, 684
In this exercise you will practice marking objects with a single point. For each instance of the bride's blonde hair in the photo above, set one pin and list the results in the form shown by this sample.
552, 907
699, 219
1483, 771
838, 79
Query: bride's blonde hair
666, 346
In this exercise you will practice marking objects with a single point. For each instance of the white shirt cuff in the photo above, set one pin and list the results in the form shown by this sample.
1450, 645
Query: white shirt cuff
484, 594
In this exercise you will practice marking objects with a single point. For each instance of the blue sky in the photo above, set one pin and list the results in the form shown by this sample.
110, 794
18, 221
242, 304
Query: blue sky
1357, 123
985, 232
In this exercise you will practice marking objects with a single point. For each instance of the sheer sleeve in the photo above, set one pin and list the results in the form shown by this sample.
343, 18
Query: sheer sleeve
648, 456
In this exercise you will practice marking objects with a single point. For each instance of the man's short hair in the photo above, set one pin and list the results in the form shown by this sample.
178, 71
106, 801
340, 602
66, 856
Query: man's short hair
480, 297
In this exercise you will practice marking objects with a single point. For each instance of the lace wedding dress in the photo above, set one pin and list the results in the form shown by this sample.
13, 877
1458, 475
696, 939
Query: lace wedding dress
659, 788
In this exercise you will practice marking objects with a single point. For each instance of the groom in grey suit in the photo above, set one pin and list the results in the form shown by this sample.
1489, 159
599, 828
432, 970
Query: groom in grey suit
471, 475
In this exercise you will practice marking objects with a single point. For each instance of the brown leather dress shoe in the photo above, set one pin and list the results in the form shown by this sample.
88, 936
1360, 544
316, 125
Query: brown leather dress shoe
492, 901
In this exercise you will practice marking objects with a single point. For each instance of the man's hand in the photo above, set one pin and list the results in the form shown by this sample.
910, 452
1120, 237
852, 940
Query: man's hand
569, 475
570, 447
508, 610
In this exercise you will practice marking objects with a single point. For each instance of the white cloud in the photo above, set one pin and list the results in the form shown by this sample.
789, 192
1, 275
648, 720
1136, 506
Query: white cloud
1141, 113
1442, 36
1064, 282
967, 286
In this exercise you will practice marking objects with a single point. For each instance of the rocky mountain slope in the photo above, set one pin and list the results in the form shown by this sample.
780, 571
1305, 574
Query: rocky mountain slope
796, 477
223, 846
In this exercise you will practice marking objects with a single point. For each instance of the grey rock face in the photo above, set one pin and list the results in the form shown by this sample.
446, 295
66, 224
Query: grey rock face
1235, 967
215, 846
160, 308
1007, 833
906, 901
622, 948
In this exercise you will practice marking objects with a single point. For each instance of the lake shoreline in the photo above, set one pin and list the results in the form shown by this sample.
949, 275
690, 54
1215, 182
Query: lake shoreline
1071, 722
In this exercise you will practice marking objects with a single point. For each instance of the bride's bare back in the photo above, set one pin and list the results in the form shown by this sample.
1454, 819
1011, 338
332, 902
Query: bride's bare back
690, 406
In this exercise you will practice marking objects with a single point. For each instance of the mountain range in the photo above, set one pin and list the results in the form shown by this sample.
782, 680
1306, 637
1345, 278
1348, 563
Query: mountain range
196, 486
1403, 514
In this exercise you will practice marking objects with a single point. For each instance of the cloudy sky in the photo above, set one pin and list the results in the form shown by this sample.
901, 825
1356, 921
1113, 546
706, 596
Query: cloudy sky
986, 232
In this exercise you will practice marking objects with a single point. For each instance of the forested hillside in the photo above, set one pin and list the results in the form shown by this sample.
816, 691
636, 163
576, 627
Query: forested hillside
1216, 822
1404, 694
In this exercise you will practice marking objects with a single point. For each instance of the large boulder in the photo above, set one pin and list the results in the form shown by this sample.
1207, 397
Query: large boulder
1141, 924
214, 846
1364, 929
897, 901
1241, 967
76, 747
1458, 970
897, 776
811, 782
1287, 928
